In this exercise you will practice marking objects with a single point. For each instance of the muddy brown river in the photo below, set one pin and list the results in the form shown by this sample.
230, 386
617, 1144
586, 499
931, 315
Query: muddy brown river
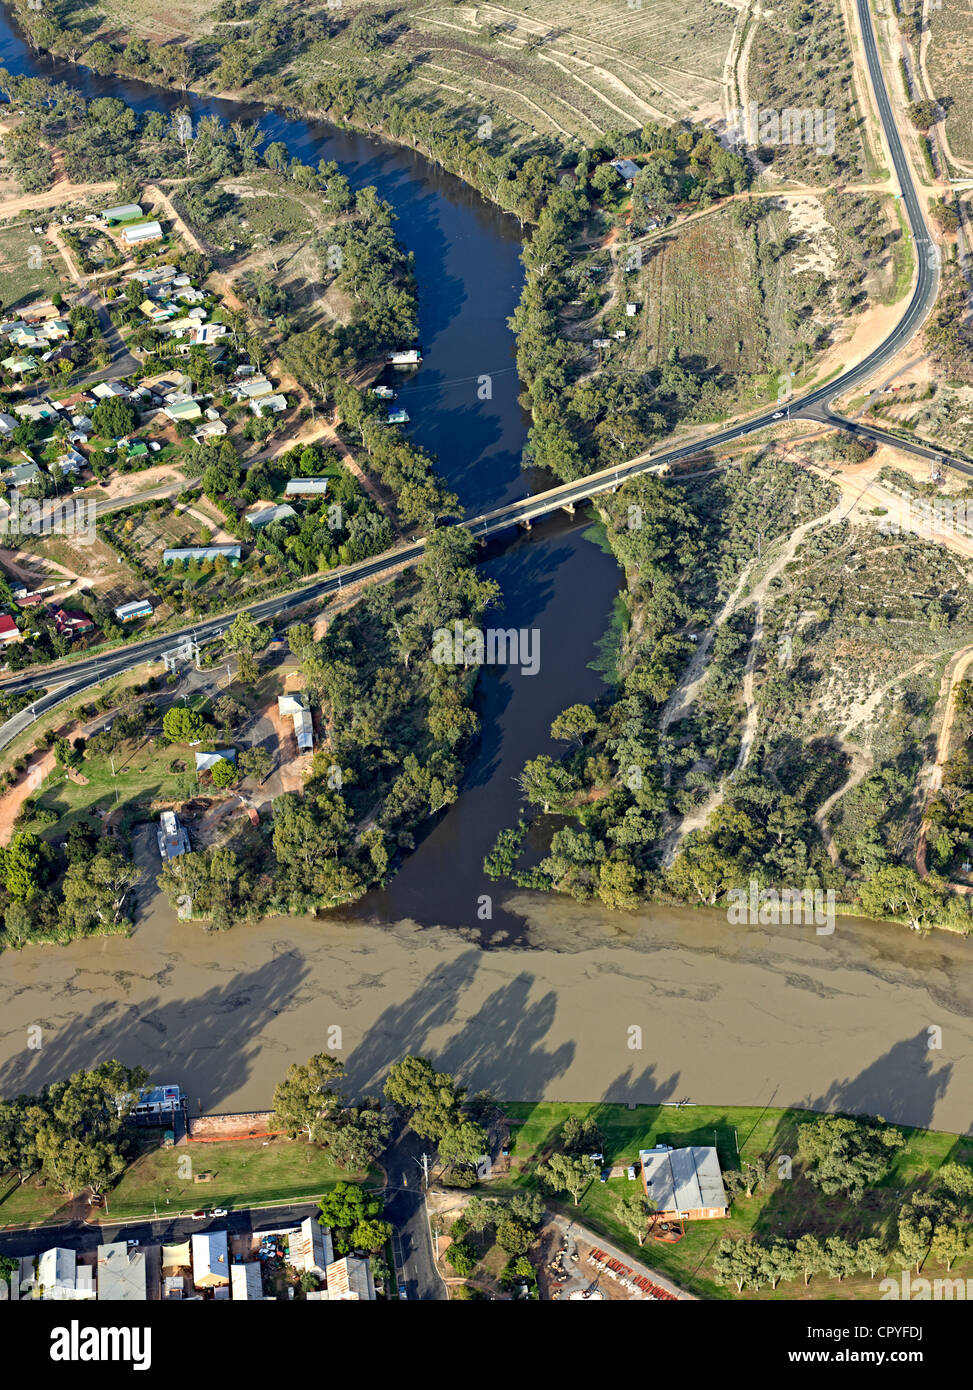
728, 1014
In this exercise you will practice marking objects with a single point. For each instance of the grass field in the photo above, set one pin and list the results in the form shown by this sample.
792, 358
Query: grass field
142, 776
244, 1173
784, 1208
29, 267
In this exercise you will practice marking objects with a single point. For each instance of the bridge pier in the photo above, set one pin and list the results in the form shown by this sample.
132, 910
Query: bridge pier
569, 508
525, 523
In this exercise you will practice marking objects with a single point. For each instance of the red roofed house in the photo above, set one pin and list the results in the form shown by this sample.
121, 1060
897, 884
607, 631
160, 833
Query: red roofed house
71, 623
9, 631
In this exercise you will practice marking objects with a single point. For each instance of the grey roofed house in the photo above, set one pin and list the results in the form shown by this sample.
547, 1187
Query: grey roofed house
350, 1279
275, 404
104, 390
296, 707
309, 1248
121, 1274
143, 231
8, 423
205, 761
201, 552
684, 1182
56, 1270
255, 386
627, 168
306, 487
266, 515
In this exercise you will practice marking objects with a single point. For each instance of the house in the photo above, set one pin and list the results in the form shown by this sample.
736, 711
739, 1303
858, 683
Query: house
296, 707
142, 232
273, 404
628, 170
8, 423
105, 390
56, 330
155, 275
246, 1282
684, 1184
70, 622
138, 450
309, 1248
631, 310
19, 365
57, 1273
350, 1280
126, 212
205, 762
173, 839
138, 608
212, 429
178, 327
264, 516
202, 552
406, 357
121, 1274
183, 410
208, 333
71, 462
306, 487
211, 1260
37, 411
23, 475
254, 387
9, 631
156, 312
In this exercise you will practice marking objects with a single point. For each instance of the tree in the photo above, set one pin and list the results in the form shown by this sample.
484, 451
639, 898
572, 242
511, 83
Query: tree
514, 1236
574, 723
846, 1155
950, 1240
567, 1173
462, 1143
255, 763
182, 725
634, 1210
429, 1098
462, 1257
114, 418
306, 1100
346, 1208
246, 637
370, 1235
871, 1255
839, 1257
20, 866
223, 773
359, 1138
809, 1256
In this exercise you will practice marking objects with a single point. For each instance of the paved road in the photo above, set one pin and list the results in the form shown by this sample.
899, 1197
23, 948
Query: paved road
77, 1235
405, 1207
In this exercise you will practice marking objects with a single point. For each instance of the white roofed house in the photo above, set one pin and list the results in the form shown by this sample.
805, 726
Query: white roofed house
211, 1259
57, 1273
306, 487
246, 1281
121, 1274
309, 1249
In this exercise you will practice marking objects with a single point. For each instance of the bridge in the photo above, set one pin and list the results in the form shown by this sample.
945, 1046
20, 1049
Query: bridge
70, 679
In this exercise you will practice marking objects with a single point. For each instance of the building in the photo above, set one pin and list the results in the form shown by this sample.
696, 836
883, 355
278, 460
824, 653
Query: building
628, 170
125, 212
246, 1282
275, 405
205, 762
406, 357
296, 707
158, 1105
9, 631
183, 410
309, 1248
684, 1184
71, 622
202, 552
138, 608
350, 1280
37, 411
141, 232
23, 474
306, 487
254, 387
211, 1260
173, 837
264, 516
19, 365
57, 1273
8, 423
121, 1273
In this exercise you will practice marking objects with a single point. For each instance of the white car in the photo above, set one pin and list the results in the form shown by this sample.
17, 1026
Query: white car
218, 1211
778, 415
131, 1242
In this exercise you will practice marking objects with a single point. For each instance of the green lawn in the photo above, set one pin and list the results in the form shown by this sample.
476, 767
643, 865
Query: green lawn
245, 1173
785, 1208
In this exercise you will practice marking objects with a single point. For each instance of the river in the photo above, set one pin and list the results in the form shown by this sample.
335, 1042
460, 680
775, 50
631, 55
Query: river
727, 1014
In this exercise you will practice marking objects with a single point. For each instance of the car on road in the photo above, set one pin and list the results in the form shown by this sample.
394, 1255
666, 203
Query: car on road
131, 1243
777, 415
218, 1211
200, 1215
402, 1292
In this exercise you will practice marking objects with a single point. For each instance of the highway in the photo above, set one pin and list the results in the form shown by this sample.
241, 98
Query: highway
78, 676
